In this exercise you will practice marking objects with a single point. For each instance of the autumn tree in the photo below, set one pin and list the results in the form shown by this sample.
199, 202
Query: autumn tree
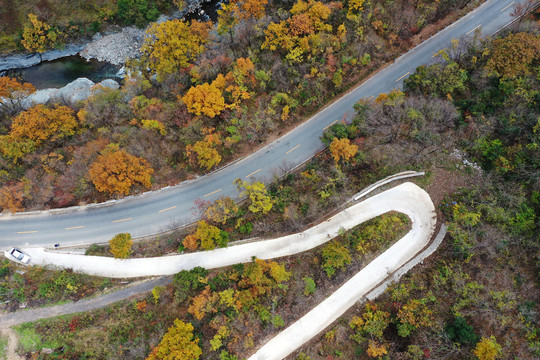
117, 171
204, 152
11, 198
251, 8
178, 343
41, 124
231, 13
173, 45
37, 36
373, 322
36, 126
335, 256
301, 32
11, 94
205, 99
342, 149
121, 245
488, 349
260, 276
208, 236
185, 282
513, 55
412, 315
438, 80
355, 7
203, 303
259, 199
221, 210
376, 350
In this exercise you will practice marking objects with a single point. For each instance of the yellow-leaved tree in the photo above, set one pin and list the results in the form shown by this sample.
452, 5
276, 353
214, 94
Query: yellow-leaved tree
37, 36
205, 99
204, 152
178, 343
117, 171
41, 124
342, 149
259, 199
301, 33
121, 245
488, 349
173, 45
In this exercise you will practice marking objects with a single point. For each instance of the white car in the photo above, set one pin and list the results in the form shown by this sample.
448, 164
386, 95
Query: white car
17, 255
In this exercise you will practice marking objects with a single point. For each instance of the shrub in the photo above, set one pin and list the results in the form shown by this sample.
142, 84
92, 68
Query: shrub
335, 256
137, 12
461, 332
121, 245
309, 286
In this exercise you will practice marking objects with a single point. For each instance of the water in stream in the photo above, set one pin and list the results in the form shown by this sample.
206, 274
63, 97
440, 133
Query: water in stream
58, 73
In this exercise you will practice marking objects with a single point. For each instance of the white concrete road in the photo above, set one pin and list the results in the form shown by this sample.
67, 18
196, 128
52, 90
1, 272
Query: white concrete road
158, 211
406, 198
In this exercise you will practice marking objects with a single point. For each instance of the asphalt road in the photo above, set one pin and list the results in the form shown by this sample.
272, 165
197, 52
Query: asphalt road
158, 211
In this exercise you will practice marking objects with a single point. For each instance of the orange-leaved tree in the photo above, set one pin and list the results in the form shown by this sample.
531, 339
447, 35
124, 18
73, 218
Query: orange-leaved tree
177, 343
12, 92
117, 171
36, 126
121, 245
173, 45
204, 151
40, 124
11, 197
342, 149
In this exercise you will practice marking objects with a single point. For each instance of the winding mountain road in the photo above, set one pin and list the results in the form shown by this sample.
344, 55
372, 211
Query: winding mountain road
406, 198
158, 211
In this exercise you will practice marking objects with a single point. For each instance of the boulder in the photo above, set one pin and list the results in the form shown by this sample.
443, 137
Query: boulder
78, 90
18, 61
110, 83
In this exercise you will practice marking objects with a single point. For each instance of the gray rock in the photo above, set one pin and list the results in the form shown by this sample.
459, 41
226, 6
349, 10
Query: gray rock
39, 97
110, 83
69, 50
115, 48
19, 61
78, 90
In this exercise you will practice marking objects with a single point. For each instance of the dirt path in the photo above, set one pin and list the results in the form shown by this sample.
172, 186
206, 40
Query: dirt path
11, 351
20, 317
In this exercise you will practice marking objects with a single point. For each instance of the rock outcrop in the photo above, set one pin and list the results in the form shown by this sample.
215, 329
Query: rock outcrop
115, 48
21, 61
78, 90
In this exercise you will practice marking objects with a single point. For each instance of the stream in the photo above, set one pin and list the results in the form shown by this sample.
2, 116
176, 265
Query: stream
58, 73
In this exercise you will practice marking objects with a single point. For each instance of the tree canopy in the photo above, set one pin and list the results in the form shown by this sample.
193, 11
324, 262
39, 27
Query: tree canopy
177, 344
173, 45
116, 172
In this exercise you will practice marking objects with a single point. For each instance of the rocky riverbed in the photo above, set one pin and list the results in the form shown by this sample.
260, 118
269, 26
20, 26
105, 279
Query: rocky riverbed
116, 48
